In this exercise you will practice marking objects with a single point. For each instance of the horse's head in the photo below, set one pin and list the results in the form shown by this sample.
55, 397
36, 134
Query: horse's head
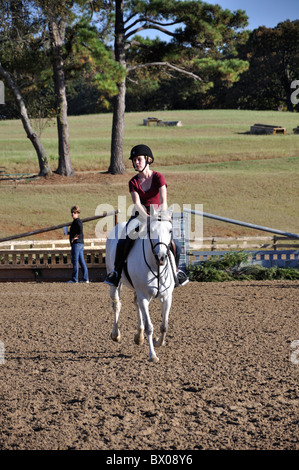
160, 234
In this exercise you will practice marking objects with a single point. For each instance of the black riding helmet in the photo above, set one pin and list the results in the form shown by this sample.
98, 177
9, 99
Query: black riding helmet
142, 149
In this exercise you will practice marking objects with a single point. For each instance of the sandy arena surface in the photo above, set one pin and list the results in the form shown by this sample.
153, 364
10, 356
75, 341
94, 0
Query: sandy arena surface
227, 378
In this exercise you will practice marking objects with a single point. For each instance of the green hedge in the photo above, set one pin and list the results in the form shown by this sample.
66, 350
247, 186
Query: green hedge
234, 266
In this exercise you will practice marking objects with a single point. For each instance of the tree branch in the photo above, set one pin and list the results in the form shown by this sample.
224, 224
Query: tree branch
165, 64
146, 19
153, 25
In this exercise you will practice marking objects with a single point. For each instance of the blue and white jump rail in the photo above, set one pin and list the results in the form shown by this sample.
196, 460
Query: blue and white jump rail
267, 258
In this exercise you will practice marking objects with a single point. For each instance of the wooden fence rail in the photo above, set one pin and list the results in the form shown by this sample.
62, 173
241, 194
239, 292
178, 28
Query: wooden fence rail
48, 264
50, 260
34, 260
50, 244
208, 243
56, 227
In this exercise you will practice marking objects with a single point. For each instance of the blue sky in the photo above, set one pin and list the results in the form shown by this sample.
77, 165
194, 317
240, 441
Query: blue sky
260, 13
263, 12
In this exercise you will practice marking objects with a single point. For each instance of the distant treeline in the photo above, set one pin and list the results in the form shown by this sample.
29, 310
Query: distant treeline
72, 57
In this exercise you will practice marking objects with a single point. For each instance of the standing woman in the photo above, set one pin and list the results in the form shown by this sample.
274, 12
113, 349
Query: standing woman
77, 246
147, 188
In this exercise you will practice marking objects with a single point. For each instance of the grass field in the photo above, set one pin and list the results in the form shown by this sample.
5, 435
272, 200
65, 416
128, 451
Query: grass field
210, 160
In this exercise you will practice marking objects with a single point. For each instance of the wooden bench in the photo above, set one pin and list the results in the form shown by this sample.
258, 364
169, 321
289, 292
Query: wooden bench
160, 122
148, 121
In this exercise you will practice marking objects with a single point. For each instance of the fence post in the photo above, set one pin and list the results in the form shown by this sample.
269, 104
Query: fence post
213, 244
181, 232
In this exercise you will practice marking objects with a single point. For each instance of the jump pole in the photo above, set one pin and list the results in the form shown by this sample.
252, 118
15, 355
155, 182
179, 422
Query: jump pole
244, 224
56, 227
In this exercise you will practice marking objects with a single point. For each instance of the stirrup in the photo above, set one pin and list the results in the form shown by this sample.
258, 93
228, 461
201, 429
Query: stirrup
182, 278
112, 279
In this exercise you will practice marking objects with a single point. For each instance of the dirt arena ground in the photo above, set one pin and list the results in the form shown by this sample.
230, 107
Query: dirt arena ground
227, 378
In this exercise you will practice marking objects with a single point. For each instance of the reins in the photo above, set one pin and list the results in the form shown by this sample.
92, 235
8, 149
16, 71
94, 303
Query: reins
153, 246
158, 275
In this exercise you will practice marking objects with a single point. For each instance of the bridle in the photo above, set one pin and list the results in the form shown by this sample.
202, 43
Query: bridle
153, 247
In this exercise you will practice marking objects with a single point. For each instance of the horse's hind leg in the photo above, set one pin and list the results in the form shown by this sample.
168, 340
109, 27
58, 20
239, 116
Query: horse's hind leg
139, 337
166, 305
116, 305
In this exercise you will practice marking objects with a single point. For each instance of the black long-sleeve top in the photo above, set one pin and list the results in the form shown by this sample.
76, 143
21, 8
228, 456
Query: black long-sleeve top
76, 229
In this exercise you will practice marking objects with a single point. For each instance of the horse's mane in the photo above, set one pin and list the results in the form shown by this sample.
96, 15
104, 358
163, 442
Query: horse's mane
161, 215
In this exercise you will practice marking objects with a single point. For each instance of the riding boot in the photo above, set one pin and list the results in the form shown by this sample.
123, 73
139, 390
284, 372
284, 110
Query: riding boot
129, 242
181, 277
122, 251
113, 278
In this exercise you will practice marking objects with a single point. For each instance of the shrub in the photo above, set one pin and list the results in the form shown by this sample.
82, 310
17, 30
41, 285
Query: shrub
232, 266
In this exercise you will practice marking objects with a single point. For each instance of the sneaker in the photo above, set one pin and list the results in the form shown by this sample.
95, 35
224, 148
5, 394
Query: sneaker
84, 282
182, 278
112, 279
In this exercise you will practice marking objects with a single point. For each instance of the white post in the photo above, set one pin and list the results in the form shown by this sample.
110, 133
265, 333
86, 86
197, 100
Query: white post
181, 232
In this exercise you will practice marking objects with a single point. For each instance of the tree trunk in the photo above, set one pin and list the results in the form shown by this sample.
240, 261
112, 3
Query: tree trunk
117, 166
116, 160
57, 35
44, 168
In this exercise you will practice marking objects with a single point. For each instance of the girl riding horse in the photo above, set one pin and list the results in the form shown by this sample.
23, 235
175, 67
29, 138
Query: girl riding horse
147, 188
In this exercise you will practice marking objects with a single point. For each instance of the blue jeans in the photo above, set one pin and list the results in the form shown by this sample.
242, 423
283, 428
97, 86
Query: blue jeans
78, 258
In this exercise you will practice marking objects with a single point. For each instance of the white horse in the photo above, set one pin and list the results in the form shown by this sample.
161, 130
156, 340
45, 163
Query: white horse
149, 272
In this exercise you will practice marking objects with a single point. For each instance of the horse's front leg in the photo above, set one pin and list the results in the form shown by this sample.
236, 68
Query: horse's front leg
139, 337
148, 326
116, 305
165, 307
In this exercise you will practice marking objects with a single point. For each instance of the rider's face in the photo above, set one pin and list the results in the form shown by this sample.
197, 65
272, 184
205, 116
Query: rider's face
139, 162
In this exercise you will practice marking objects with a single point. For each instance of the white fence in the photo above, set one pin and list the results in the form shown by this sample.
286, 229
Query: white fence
267, 259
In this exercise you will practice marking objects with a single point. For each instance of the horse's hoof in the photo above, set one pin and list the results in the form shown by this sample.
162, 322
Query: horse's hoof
115, 338
158, 342
138, 340
154, 359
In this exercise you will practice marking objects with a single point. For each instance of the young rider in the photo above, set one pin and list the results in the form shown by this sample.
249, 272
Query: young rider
147, 188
